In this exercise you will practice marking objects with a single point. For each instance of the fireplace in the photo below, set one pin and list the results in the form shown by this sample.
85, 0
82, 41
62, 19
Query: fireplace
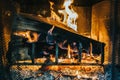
30, 50
26, 48
59, 40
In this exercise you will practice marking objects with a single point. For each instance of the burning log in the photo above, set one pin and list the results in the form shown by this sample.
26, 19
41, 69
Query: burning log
29, 35
48, 21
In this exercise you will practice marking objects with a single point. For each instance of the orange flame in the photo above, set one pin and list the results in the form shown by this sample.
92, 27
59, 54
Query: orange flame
70, 15
69, 55
31, 36
54, 16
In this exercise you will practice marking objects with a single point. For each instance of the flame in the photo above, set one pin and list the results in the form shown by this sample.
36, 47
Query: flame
86, 58
27, 35
70, 15
69, 55
54, 16
91, 49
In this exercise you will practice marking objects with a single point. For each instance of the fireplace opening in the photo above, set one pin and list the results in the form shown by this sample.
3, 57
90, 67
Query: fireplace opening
35, 46
50, 51
63, 39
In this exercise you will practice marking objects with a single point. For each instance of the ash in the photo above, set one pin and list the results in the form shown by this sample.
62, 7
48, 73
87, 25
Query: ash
65, 74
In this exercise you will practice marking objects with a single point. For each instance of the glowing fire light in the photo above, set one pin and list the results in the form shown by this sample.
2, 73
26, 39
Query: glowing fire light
69, 55
30, 36
54, 16
70, 15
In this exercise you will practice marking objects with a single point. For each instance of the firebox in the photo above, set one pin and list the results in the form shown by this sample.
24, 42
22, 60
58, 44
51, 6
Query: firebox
61, 41
51, 45
32, 43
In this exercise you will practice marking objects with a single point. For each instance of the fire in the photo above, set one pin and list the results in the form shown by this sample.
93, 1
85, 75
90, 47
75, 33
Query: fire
61, 72
54, 16
70, 15
69, 55
29, 35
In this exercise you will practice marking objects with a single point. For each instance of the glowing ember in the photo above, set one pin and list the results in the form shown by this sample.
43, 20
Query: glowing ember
29, 35
87, 59
59, 72
70, 15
